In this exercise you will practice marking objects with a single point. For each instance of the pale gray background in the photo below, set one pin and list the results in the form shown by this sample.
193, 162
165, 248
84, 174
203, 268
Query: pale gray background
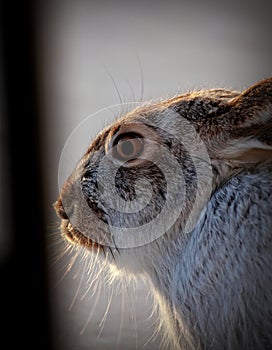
177, 46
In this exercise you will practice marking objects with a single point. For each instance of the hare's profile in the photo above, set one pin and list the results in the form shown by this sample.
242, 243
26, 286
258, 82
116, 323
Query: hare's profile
181, 191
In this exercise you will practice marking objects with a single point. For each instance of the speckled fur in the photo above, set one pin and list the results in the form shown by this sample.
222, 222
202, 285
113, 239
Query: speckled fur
220, 284
212, 285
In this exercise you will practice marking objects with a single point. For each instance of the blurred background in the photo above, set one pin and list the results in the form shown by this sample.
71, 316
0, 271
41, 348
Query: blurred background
61, 62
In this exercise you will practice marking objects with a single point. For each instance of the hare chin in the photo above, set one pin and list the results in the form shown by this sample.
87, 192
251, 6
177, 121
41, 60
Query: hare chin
74, 236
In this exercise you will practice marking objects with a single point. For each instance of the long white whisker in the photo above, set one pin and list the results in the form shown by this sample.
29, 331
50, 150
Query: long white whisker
79, 285
121, 320
115, 86
154, 310
92, 279
133, 315
68, 267
61, 253
92, 312
103, 320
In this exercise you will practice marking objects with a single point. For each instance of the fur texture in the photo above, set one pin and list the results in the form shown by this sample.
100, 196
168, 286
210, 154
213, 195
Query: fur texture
190, 207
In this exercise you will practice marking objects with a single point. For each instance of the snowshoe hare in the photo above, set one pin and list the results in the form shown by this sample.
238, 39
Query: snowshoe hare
181, 191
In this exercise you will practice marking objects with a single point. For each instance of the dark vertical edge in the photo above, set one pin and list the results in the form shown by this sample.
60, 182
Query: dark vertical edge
24, 282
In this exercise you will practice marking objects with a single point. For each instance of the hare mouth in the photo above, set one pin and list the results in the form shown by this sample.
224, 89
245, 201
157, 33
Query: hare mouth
74, 236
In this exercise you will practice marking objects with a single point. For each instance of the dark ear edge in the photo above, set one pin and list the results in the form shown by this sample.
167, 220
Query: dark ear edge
254, 105
250, 135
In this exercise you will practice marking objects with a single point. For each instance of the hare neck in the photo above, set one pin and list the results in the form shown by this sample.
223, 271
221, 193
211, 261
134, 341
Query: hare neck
218, 280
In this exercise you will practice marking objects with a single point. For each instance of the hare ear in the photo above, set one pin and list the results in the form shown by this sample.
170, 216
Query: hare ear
248, 135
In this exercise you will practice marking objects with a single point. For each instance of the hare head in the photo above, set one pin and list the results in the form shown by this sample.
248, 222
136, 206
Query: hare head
170, 191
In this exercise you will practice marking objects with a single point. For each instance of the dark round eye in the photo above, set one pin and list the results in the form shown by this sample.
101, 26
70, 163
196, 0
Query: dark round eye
128, 146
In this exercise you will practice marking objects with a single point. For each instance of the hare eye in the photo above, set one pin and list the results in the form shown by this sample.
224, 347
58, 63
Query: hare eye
128, 147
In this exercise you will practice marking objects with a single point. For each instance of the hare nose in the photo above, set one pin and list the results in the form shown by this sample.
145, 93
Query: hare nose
58, 206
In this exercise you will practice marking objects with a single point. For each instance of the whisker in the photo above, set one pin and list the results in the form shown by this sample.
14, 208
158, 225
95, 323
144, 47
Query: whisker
115, 246
68, 268
93, 309
115, 86
66, 250
121, 320
97, 255
93, 280
72, 262
103, 250
79, 285
103, 320
156, 330
133, 315
111, 253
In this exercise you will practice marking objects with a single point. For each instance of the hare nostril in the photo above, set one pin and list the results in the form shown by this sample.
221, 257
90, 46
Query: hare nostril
58, 206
